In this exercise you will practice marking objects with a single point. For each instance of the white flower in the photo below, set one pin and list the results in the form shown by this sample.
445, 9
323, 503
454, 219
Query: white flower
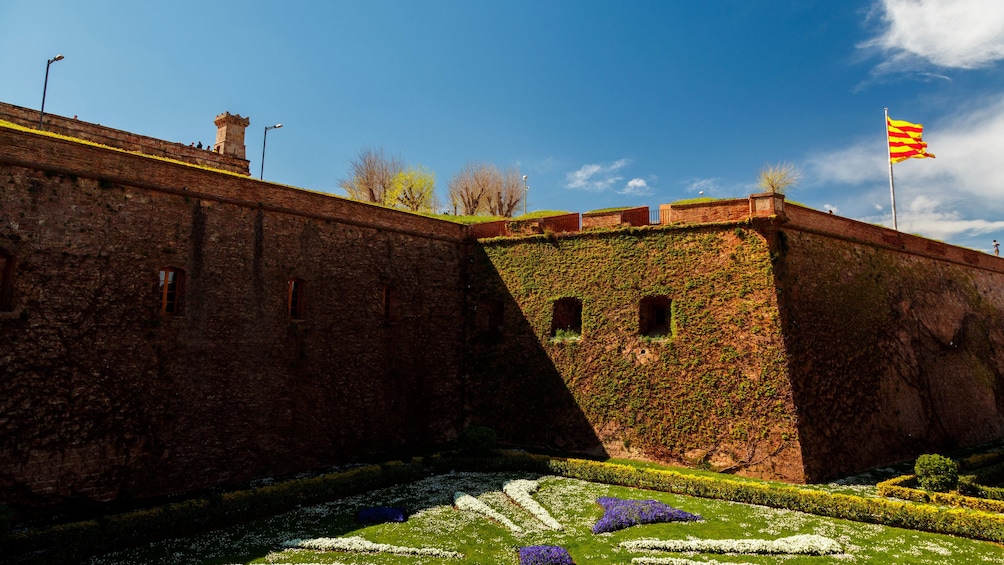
804, 544
519, 491
679, 561
358, 544
464, 501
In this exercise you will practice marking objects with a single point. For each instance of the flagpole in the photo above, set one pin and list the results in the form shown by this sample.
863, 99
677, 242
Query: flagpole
892, 187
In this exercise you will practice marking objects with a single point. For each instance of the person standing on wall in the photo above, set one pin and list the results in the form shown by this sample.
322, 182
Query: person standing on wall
997, 248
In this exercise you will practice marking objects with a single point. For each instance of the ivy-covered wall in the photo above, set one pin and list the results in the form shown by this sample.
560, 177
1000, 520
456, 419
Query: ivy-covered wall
714, 391
892, 354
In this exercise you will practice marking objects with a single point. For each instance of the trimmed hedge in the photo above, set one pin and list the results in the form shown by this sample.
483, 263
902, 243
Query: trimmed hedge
71, 543
964, 522
902, 487
936, 473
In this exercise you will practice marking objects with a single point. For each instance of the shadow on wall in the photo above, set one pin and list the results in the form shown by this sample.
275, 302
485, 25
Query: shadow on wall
511, 383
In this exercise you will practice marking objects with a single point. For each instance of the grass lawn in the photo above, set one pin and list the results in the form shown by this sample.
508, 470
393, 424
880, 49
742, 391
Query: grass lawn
435, 523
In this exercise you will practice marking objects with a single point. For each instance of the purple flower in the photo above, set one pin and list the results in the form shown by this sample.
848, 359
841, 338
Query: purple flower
544, 555
619, 514
380, 515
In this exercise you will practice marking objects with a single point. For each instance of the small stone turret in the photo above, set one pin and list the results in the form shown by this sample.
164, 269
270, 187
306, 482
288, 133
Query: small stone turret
230, 134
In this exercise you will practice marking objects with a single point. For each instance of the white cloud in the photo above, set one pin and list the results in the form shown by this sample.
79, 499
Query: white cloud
932, 218
595, 177
943, 198
704, 185
948, 33
636, 187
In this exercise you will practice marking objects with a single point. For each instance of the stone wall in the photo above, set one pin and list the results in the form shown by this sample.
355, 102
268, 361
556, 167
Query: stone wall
892, 353
123, 139
708, 387
102, 397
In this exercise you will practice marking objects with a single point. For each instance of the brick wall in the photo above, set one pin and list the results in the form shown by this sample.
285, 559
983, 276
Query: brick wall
123, 139
102, 397
630, 217
893, 351
706, 212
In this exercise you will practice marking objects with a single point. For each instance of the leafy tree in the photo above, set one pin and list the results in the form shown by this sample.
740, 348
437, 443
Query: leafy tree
776, 178
414, 189
372, 175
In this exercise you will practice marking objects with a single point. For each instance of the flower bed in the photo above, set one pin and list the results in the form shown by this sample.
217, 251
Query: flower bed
619, 514
519, 491
381, 515
358, 544
544, 555
464, 501
806, 544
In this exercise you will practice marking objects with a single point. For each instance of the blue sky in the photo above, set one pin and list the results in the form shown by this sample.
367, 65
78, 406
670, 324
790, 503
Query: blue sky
600, 103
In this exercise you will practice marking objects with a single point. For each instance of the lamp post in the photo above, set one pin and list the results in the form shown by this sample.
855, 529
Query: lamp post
525, 188
45, 87
265, 139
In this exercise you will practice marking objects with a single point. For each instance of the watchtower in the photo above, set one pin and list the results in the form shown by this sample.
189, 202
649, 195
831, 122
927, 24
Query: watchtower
230, 134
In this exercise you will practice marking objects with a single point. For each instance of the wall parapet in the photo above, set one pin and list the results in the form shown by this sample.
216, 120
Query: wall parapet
823, 223
119, 139
637, 216
805, 219
555, 224
22, 148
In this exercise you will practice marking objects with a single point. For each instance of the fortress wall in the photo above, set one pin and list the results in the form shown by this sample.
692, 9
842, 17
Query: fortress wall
56, 155
814, 221
894, 349
102, 397
705, 212
715, 391
122, 139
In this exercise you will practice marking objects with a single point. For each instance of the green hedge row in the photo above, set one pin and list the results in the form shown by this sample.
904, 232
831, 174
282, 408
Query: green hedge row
974, 523
904, 487
72, 542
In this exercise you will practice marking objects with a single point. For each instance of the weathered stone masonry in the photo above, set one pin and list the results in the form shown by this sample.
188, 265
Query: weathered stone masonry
102, 397
795, 334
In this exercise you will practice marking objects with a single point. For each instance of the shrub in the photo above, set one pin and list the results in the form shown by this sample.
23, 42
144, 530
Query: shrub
936, 473
477, 440
544, 555
6, 519
381, 515
619, 514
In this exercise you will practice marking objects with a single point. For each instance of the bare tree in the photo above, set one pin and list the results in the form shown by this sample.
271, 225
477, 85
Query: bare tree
481, 188
372, 177
469, 189
506, 193
776, 178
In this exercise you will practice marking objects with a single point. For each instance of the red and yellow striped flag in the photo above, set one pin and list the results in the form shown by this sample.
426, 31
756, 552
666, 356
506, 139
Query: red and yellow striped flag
905, 142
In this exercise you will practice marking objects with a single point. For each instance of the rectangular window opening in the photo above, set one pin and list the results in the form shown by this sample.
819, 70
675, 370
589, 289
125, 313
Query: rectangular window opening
654, 316
566, 318
170, 290
294, 299
6, 282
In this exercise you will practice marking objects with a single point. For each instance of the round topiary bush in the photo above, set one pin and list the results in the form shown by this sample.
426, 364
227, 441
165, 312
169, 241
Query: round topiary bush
936, 473
477, 440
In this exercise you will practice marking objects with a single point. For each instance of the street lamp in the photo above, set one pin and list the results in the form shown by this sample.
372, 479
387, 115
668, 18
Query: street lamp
45, 87
525, 188
265, 139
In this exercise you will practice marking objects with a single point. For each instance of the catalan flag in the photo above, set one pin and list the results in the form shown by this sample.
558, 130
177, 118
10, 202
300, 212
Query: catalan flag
905, 142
